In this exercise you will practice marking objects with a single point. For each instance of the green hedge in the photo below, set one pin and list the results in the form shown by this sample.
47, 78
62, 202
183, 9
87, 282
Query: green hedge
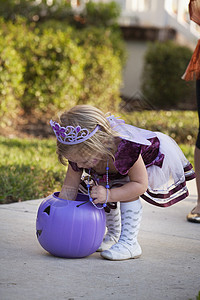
164, 64
54, 66
11, 77
96, 14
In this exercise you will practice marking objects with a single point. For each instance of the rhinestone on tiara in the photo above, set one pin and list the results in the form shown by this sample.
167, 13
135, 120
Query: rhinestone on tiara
71, 135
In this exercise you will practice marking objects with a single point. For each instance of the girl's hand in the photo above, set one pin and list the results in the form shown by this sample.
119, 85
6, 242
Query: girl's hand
99, 193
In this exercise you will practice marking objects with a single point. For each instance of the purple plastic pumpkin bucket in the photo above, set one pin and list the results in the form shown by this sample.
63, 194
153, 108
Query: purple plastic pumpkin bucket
67, 229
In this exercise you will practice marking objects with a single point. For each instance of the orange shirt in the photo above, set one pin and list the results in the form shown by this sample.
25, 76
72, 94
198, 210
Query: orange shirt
193, 69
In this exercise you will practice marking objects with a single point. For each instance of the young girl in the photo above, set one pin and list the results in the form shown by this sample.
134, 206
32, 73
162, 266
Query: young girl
125, 163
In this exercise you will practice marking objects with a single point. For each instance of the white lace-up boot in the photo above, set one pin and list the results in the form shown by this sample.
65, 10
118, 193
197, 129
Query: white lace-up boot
127, 246
113, 224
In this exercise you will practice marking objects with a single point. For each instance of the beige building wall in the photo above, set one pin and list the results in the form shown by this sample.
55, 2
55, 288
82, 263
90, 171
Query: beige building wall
133, 69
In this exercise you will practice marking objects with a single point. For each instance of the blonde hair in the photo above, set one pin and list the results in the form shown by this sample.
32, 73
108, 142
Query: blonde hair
88, 117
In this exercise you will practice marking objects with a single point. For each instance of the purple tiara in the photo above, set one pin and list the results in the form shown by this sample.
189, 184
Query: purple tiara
71, 135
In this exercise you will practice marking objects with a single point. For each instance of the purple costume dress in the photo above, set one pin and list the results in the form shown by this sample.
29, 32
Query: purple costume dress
167, 167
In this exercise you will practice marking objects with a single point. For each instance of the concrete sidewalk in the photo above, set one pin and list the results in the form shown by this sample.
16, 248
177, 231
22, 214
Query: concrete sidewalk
168, 269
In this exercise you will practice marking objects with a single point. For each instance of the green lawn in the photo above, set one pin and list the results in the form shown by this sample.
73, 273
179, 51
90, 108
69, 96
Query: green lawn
29, 168
180, 125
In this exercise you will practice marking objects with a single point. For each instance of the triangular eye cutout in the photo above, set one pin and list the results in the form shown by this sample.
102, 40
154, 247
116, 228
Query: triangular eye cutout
47, 210
38, 232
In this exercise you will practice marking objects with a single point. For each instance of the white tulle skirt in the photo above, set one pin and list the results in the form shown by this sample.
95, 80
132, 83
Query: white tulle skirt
167, 185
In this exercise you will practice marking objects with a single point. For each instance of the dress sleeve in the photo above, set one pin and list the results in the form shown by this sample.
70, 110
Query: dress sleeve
125, 157
75, 167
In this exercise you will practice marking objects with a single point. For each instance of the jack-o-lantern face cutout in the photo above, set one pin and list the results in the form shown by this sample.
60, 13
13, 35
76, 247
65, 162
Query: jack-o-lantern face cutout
67, 229
47, 211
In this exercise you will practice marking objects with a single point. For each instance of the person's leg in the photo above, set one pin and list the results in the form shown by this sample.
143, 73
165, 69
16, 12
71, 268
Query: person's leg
127, 246
197, 170
194, 216
113, 224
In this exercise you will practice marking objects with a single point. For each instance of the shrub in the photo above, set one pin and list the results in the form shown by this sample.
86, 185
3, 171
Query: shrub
103, 14
35, 10
103, 53
54, 71
11, 77
102, 70
53, 65
95, 14
61, 69
164, 65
